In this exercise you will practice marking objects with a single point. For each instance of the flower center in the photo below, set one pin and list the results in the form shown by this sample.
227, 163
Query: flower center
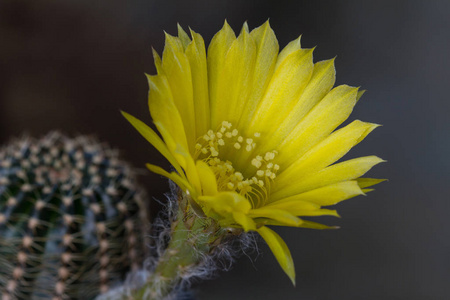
214, 147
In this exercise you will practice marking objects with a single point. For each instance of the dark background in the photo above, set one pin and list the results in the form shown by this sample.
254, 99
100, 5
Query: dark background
71, 65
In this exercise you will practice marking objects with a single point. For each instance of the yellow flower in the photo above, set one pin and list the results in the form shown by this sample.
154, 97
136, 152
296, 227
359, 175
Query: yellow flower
251, 132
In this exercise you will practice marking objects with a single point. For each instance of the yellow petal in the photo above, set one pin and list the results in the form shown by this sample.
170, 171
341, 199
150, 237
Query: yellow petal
322, 80
303, 224
344, 171
196, 55
207, 179
183, 36
217, 51
225, 203
288, 50
286, 86
285, 217
366, 182
318, 123
360, 93
314, 225
154, 139
177, 179
190, 168
234, 82
242, 219
165, 113
297, 208
266, 57
158, 62
327, 195
326, 152
280, 250
178, 72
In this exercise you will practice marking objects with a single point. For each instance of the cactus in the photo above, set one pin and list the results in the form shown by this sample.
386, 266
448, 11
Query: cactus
71, 219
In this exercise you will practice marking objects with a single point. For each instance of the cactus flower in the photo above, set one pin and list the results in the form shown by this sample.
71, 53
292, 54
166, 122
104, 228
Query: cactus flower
251, 132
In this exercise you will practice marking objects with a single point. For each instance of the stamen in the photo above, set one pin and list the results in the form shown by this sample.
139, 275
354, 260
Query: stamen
213, 146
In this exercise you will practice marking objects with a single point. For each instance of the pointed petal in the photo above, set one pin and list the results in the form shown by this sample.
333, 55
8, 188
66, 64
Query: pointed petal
153, 139
288, 50
318, 124
217, 51
158, 62
297, 208
266, 57
366, 182
280, 250
326, 152
360, 93
314, 225
322, 80
303, 224
327, 195
234, 82
196, 55
347, 170
290, 78
178, 72
183, 36
282, 216
177, 179
164, 112
207, 179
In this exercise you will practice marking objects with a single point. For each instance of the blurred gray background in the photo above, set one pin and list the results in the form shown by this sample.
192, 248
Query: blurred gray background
72, 64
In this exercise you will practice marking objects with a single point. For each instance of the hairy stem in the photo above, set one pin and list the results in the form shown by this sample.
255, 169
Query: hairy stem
192, 238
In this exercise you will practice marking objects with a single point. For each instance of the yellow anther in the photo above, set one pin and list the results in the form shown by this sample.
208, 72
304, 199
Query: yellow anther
252, 188
256, 163
214, 152
269, 156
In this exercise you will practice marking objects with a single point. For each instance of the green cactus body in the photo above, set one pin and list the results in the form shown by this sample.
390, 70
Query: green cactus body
71, 219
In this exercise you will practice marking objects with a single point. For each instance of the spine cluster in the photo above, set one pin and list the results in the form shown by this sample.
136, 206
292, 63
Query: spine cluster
72, 223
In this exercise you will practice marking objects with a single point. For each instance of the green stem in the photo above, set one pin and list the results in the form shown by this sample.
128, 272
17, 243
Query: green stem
192, 238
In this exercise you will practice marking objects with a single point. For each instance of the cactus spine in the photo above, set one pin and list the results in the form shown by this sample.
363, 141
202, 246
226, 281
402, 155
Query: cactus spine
71, 219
